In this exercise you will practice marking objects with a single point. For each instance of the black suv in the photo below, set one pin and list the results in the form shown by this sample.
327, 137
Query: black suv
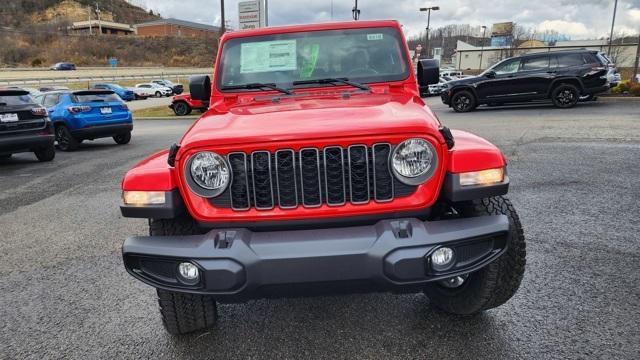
561, 76
24, 126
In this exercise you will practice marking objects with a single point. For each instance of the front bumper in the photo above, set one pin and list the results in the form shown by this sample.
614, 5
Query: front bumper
392, 255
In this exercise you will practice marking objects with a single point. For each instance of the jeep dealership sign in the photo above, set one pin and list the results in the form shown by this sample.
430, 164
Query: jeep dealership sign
252, 14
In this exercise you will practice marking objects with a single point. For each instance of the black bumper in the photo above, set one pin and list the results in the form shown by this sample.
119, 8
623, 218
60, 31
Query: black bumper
95, 132
392, 255
25, 142
597, 90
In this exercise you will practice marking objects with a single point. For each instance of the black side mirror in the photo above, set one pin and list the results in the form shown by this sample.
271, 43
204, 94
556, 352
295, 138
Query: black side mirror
428, 72
200, 87
490, 74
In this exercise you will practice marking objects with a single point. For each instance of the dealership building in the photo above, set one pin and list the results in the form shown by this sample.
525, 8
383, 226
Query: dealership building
175, 27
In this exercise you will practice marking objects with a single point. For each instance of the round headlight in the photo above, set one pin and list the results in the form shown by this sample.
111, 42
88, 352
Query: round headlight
414, 161
210, 172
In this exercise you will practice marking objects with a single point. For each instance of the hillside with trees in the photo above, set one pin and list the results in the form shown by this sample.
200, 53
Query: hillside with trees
35, 33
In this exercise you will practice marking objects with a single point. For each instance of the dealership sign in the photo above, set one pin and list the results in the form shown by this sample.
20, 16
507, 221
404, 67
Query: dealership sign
252, 14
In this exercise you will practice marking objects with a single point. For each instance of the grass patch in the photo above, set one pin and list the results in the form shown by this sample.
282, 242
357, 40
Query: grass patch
158, 111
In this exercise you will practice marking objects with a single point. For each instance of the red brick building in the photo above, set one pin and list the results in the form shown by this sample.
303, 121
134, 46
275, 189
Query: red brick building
175, 27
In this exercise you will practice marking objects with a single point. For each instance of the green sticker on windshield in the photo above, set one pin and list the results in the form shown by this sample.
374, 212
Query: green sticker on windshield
265, 56
309, 56
371, 37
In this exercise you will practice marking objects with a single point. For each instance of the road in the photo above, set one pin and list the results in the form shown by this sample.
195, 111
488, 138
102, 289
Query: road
65, 294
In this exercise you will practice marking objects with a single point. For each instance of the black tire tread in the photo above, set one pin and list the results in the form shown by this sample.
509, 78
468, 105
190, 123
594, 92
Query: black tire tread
185, 313
497, 282
182, 313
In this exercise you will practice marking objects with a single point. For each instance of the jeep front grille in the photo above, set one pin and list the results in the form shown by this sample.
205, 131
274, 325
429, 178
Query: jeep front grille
310, 178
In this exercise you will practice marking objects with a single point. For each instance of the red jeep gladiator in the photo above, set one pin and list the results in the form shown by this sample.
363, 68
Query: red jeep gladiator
184, 104
318, 169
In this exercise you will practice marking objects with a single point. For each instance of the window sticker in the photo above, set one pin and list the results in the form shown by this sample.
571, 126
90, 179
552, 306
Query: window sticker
279, 55
372, 37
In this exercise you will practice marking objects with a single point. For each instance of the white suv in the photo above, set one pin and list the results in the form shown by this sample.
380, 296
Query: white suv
156, 89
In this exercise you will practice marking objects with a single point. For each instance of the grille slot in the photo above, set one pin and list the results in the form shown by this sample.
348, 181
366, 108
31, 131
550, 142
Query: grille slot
336, 189
262, 189
359, 174
311, 177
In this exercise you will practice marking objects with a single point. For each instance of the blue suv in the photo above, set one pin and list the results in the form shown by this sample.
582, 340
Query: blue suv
87, 115
125, 94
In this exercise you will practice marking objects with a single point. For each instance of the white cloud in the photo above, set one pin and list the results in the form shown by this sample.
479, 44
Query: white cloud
571, 28
579, 19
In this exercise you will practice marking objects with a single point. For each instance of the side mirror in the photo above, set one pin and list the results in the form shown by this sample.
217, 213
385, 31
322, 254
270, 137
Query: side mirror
490, 74
428, 72
200, 87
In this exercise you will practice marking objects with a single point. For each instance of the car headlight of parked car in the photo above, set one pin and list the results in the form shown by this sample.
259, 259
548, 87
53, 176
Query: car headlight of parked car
414, 161
207, 174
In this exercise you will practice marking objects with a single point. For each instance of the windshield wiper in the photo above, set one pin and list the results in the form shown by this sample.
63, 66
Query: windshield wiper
254, 86
332, 81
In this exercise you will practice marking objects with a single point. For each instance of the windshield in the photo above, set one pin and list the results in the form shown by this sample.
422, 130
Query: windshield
360, 55
10, 100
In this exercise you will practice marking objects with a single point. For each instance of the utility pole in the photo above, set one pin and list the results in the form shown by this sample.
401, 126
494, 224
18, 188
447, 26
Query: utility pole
99, 22
90, 29
613, 21
635, 67
484, 31
428, 10
223, 25
356, 12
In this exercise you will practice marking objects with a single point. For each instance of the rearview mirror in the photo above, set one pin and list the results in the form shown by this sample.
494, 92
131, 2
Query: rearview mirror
428, 72
490, 74
200, 87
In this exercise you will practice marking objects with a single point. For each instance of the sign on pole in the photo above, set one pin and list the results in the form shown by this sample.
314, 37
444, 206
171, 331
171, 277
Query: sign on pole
252, 14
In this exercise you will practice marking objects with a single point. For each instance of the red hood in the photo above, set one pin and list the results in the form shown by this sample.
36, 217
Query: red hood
311, 118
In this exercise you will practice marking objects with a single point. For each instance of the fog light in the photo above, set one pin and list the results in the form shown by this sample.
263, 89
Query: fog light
188, 272
442, 259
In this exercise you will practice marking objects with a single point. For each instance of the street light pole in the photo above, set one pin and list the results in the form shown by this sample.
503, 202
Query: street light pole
223, 23
428, 10
356, 12
484, 31
613, 21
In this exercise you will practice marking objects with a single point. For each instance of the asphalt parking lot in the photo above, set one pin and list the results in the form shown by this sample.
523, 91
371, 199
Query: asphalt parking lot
65, 294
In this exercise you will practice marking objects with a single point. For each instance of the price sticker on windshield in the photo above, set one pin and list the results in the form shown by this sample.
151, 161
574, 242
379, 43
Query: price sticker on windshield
265, 56
373, 37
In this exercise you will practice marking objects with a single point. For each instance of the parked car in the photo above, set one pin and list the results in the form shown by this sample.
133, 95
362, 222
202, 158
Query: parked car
125, 94
183, 105
613, 75
141, 93
156, 89
316, 179
176, 88
436, 89
561, 76
87, 115
24, 126
63, 66
53, 88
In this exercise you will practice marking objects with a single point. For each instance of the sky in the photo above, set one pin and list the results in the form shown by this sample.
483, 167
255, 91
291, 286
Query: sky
578, 19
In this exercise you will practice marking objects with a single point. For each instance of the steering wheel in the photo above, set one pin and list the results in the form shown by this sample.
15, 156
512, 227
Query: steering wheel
363, 71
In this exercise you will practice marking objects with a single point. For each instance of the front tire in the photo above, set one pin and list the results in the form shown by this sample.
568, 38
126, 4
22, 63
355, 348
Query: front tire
122, 139
183, 313
565, 96
158, 94
46, 154
497, 282
463, 101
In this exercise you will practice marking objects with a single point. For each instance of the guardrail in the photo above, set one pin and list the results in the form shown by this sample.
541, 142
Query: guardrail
80, 79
